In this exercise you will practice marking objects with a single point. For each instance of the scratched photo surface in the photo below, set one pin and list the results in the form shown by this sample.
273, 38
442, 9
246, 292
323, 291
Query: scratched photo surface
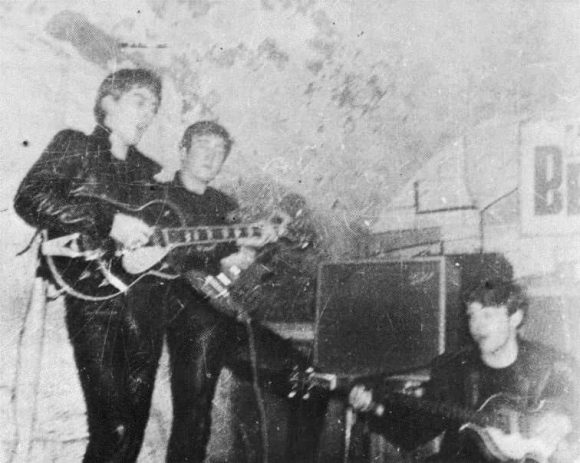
387, 131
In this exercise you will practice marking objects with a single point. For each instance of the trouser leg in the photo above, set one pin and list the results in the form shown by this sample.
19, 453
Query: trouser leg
277, 358
117, 345
198, 339
200, 342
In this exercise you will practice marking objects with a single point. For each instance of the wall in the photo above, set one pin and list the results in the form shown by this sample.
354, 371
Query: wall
472, 191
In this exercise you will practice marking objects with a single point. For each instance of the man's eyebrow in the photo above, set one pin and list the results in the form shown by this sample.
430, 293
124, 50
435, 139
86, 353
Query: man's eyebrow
142, 92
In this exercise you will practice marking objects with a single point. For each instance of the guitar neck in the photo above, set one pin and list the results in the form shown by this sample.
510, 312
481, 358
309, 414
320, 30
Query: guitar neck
438, 409
453, 412
189, 236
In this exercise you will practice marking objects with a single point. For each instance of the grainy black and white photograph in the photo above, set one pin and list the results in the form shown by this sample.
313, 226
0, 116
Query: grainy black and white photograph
300, 231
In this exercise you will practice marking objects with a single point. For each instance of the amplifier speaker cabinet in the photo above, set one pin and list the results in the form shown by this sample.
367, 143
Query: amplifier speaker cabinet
390, 316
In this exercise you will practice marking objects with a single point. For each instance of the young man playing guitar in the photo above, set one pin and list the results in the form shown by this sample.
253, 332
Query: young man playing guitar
116, 342
500, 368
202, 339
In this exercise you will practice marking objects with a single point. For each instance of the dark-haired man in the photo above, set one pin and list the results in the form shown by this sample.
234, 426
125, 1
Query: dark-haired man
202, 340
72, 188
500, 366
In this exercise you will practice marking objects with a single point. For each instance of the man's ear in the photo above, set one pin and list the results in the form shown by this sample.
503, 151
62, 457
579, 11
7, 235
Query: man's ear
107, 102
182, 154
517, 318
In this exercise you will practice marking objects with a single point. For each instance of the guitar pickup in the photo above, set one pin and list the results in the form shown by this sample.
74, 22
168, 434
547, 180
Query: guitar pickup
218, 288
224, 279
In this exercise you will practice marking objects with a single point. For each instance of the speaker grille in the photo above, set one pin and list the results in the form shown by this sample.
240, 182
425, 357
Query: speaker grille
375, 316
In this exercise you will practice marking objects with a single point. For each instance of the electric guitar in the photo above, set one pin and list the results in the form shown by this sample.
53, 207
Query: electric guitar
217, 291
502, 427
97, 271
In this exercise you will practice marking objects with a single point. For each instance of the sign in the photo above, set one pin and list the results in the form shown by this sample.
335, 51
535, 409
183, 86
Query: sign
550, 177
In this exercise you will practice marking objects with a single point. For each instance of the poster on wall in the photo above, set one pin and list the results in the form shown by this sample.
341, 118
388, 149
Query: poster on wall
550, 177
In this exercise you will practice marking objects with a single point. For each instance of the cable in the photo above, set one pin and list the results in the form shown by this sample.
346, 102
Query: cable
24, 396
30, 243
257, 390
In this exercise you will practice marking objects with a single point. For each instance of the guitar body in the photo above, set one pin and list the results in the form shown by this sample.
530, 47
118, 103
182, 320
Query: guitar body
100, 271
506, 430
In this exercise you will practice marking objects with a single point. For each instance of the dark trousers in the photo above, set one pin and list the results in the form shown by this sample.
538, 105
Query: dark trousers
201, 341
117, 345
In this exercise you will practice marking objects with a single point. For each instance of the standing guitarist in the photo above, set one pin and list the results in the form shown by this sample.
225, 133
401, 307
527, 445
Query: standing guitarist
501, 363
116, 342
201, 339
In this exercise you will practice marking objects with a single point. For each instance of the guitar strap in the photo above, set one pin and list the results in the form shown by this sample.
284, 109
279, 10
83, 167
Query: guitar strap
472, 387
537, 391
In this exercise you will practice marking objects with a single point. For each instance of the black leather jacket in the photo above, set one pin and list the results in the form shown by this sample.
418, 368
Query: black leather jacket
59, 191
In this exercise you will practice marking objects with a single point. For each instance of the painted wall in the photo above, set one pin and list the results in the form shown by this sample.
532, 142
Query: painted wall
472, 190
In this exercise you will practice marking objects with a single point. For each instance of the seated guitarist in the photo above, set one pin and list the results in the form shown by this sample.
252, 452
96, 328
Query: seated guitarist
201, 339
500, 363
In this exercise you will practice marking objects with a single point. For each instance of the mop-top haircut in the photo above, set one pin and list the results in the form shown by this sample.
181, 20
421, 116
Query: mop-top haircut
206, 128
122, 81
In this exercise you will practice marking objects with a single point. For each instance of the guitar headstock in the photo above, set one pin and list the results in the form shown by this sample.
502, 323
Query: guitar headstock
290, 228
280, 221
305, 383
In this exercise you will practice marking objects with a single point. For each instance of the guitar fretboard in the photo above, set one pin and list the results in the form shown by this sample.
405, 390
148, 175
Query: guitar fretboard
184, 236
450, 411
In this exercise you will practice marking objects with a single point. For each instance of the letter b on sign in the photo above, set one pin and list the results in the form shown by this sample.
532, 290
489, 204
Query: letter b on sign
548, 180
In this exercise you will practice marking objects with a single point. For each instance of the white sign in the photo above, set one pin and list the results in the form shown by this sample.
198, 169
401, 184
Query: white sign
550, 177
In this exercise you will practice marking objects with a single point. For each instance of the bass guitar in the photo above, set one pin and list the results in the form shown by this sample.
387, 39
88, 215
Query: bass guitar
98, 271
503, 428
